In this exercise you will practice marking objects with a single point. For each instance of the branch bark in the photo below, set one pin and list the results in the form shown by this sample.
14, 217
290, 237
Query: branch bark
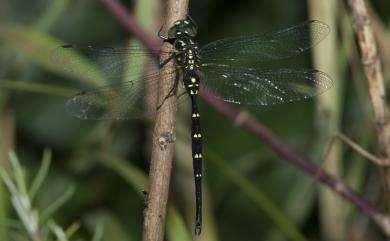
163, 139
382, 37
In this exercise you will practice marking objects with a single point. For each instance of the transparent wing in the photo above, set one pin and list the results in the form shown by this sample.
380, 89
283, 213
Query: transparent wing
119, 101
121, 72
103, 65
256, 87
265, 47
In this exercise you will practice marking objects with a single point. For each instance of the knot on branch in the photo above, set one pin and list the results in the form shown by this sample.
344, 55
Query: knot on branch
382, 123
241, 118
370, 60
361, 20
166, 138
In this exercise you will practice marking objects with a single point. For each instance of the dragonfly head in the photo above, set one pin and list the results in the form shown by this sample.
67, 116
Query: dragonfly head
183, 27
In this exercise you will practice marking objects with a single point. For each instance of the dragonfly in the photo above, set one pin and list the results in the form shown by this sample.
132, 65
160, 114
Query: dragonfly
221, 65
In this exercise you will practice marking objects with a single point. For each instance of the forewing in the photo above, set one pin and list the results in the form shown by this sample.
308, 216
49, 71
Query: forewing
103, 65
265, 47
263, 87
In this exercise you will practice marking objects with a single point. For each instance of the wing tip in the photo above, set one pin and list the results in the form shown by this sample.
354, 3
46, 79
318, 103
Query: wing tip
324, 27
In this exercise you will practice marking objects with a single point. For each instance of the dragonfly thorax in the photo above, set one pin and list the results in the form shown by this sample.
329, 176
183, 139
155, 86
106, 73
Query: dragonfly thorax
188, 61
186, 53
183, 27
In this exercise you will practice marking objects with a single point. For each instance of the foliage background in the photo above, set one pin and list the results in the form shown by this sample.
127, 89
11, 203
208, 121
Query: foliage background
251, 193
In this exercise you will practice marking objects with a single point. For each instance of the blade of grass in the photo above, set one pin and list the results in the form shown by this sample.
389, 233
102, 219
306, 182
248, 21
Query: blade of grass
42, 173
58, 231
18, 174
72, 229
99, 230
20, 199
38, 88
56, 204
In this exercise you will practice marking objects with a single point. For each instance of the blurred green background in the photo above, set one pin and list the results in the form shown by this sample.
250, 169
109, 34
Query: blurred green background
92, 189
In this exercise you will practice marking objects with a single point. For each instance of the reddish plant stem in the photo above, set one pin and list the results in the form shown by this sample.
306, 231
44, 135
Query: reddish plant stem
130, 23
245, 121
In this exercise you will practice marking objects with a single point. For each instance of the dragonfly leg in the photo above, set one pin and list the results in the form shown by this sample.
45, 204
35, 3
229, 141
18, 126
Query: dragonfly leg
160, 35
167, 60
172, 91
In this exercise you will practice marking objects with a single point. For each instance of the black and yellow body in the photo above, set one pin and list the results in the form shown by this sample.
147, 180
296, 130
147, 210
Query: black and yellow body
187, 58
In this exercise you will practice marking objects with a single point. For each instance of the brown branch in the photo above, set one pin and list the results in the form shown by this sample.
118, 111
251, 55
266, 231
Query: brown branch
373, 72
163, 139
382, 37
245, 121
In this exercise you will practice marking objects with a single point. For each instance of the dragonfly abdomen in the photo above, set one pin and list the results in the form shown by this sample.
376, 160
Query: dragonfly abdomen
191, 81
196, 136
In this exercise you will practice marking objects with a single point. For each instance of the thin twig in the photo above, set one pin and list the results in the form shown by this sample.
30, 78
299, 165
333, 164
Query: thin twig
354, 146
245, 121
